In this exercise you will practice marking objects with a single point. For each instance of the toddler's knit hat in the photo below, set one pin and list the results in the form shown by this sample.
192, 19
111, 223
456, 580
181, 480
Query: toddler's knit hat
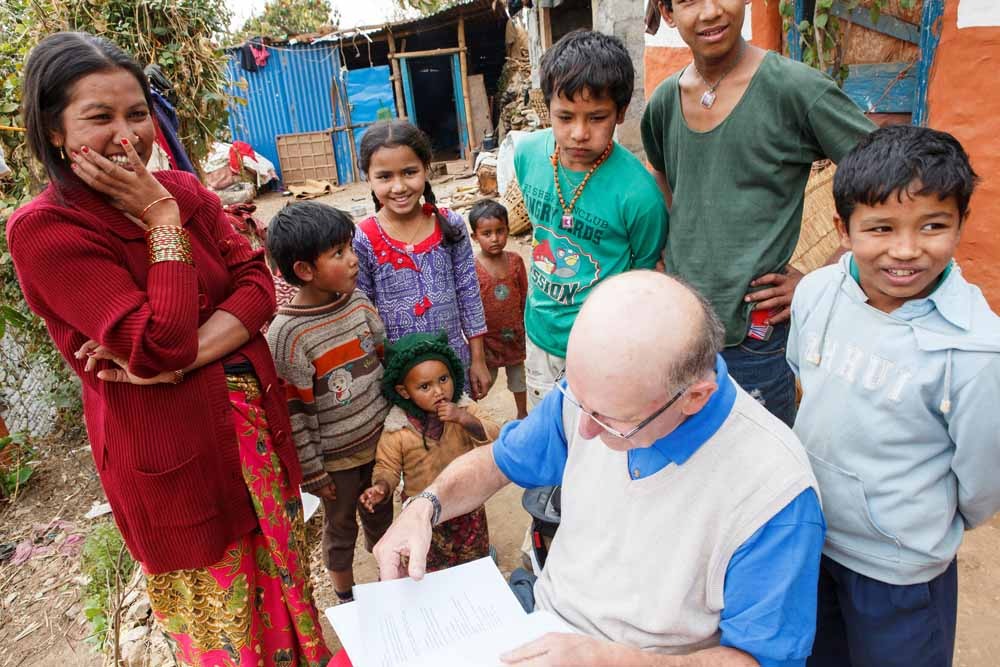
414, 349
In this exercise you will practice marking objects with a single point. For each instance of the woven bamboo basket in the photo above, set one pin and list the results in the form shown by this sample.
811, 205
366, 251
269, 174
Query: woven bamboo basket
818, 238
517, 212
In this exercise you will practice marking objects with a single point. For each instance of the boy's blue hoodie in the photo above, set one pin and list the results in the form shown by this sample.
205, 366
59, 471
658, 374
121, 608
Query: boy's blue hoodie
900, 416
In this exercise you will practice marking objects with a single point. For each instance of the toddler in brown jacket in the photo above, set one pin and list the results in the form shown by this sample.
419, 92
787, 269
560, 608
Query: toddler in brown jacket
430, 424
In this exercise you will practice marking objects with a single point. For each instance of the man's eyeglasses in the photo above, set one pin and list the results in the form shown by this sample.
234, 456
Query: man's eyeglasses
613, 431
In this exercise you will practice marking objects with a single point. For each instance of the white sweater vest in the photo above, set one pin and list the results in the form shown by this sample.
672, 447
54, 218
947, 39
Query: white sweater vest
643, 562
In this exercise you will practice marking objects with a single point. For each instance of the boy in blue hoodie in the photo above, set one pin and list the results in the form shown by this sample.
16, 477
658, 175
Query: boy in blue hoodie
899, 360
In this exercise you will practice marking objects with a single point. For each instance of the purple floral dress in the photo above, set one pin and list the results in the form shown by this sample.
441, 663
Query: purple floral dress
422, 288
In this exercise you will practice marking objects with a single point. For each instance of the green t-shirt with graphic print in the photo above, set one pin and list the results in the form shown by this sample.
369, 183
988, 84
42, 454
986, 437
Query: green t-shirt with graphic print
619, 224
738, 189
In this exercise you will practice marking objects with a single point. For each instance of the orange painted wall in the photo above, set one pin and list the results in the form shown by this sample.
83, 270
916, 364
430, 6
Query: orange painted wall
963, 99
660, 62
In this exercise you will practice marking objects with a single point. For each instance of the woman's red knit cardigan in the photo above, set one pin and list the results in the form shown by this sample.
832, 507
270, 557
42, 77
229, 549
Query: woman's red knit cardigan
166, 454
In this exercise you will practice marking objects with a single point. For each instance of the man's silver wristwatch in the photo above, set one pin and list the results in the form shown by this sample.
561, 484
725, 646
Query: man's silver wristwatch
434, 501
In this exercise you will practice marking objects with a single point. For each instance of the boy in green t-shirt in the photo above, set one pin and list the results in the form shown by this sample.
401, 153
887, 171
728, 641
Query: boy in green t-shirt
732, 138
594, 208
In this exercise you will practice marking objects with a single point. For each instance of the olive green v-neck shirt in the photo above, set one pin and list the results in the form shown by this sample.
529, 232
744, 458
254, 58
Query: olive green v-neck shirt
738, 188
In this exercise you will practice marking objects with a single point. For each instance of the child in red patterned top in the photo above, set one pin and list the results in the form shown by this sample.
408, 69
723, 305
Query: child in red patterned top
503, 285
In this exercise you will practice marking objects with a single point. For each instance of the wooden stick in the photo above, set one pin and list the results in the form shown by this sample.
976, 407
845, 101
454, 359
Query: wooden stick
397, 78
465, 85
27, 631
341, 128
545, 27
340, 97
431, 52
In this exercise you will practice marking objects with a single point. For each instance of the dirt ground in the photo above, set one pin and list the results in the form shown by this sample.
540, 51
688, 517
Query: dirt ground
40, 618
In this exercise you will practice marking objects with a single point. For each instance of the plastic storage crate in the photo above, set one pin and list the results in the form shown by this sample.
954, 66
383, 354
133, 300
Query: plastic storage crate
307, 155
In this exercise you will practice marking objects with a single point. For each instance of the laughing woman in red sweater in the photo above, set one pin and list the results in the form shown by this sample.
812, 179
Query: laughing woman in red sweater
156, 304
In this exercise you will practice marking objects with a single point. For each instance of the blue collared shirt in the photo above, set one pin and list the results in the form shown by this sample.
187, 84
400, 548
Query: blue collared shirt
770, 588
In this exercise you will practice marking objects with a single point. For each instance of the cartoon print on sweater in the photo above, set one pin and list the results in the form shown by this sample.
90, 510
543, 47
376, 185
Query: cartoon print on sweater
367, 341
340, 384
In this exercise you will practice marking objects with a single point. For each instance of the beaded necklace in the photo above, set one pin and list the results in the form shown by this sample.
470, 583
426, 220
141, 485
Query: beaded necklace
567, 219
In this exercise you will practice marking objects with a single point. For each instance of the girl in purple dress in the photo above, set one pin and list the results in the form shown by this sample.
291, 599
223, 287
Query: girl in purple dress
415, 260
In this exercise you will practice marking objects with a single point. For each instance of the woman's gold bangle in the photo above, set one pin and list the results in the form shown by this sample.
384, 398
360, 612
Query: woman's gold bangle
168, 243
142, 216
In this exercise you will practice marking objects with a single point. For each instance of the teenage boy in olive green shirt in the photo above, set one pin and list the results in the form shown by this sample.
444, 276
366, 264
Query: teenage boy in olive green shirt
731, 139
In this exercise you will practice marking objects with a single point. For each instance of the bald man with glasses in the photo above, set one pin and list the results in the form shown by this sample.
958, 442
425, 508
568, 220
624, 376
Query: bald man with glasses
691, 530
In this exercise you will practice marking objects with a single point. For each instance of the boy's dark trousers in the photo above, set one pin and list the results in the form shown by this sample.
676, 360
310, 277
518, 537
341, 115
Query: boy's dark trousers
862, 622
760, 367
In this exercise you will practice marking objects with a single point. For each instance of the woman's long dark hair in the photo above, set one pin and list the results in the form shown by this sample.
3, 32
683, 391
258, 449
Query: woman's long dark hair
53, 66
395, 133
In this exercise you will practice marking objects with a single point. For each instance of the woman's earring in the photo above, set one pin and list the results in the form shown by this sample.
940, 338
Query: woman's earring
62, 152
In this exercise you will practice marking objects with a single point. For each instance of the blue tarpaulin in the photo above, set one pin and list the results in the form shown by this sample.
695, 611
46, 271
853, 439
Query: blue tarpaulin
370, 93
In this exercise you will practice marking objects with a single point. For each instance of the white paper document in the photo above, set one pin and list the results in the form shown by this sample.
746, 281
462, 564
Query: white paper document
310, 504
465, 615
484, 650
347, 623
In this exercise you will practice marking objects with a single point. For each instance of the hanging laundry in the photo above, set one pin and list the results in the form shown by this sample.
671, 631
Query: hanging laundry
260, 53
166, 120
160, 159
247, 61
160, 83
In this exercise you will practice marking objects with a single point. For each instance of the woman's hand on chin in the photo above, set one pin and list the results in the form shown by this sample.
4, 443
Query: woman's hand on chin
132, 190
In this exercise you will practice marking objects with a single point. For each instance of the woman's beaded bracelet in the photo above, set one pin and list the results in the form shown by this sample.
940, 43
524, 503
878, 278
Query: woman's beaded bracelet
168, 243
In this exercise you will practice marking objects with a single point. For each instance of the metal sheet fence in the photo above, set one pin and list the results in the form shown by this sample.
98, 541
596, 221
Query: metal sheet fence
291, 93
294, 92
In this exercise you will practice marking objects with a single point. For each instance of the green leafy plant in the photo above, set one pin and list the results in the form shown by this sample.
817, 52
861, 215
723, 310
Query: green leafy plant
823, 37
179, 36
108, 567
15, 464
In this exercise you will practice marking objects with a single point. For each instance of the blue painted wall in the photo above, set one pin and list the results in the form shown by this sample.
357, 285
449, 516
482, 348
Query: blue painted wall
885, 87
930, 35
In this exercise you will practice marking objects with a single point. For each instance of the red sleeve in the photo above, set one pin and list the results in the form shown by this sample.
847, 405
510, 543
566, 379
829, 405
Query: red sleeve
70, 272
252, 300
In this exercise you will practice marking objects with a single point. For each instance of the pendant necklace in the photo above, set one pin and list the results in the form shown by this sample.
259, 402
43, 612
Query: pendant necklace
567, 218
409, 245
708, 98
